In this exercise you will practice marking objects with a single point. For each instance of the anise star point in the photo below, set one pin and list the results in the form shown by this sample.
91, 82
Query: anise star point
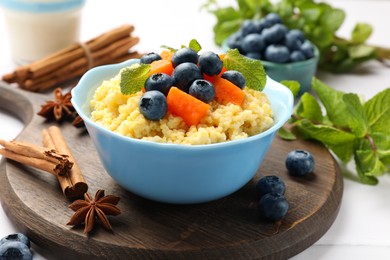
91, 209
59, 107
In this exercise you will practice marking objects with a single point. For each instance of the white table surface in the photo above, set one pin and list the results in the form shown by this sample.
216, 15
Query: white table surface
362, 228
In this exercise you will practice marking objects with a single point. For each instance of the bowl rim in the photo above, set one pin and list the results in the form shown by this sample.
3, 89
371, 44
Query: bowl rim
88, 121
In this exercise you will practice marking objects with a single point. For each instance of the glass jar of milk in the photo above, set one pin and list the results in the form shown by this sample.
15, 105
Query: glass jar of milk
37, 28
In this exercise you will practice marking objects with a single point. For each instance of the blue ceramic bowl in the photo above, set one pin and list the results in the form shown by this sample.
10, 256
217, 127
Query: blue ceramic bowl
302, 71
174, 173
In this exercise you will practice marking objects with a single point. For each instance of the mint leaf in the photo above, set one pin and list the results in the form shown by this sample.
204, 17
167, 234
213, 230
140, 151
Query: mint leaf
286, 134
309, 108
357, 120
252, 70
223, 30
339, 141
361, 51
133, 78
194, 44
228, 22
369, 163
377, 110
332, 19
361, 32
292, 85
333, 102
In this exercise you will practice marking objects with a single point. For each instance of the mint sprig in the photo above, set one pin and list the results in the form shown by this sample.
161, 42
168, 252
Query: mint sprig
133, 78
252, 70
349, 128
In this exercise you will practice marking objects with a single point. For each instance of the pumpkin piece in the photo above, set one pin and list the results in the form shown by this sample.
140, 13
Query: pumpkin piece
226, 92
189, 108
161, 66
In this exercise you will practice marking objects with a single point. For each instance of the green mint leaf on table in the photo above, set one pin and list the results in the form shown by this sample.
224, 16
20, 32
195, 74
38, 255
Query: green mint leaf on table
194, 44
292, 85
333, 102
286, 134
377, 110
309, 108
133, 78
252, 70
339, 141
346, 126
361, 32
357, 120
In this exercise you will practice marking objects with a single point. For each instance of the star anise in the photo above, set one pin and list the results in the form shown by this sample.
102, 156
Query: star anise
59, 107
91, 209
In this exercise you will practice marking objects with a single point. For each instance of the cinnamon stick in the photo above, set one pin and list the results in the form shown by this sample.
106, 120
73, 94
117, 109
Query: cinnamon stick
72, 183
70, 72
73, 61
35, 156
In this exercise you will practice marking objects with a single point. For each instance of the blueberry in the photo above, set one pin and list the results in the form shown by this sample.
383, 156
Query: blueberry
273, 18
273, 206
252, 43
150, 57
292, 41
184, 74
300, 163
16, 237
210, 63
184, 55
298, 34
153, 105
307, 49
159, 81
248, 27
234, 41
235, 77
275, 33
270, 184
15, 250
261, 25
277, 53
202, 90
254, 55
297, 56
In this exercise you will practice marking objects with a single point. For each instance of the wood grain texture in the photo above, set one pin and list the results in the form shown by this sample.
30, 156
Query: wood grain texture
228, 228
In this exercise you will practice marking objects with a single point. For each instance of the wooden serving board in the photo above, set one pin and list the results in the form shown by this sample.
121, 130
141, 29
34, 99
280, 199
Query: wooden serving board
229, 228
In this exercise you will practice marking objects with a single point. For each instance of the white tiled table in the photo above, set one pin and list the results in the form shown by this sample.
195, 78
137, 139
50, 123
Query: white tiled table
362, 228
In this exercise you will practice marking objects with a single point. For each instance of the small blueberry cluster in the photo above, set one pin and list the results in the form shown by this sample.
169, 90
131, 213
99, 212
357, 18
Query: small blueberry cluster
188, 75
15, 246
273, 206
269, 39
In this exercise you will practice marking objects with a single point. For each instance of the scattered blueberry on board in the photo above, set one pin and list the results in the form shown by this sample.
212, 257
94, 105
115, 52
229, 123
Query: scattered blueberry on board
270, 40
300, 163
270, 184
273, 206
15, 246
